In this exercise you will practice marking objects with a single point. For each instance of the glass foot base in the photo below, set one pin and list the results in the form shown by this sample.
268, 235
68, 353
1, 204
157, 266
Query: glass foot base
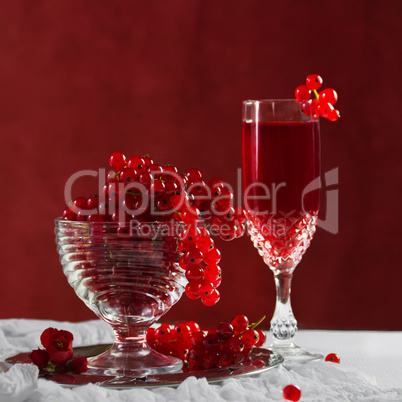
293, 354
128, 364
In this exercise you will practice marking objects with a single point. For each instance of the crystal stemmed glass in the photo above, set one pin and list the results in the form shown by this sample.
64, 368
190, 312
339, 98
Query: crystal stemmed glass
129, 277
281, 161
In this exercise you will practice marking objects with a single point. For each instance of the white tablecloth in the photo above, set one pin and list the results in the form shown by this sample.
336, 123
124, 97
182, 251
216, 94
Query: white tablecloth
370, 370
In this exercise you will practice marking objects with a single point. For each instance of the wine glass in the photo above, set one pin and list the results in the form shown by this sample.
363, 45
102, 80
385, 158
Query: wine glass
281, 163
129, 276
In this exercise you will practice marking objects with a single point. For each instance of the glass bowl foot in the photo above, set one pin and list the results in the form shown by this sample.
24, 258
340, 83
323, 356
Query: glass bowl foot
293, 354
132, 364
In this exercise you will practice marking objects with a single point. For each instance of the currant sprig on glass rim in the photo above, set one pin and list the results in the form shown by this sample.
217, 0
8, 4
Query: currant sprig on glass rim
324, 101
138, 189
226, 344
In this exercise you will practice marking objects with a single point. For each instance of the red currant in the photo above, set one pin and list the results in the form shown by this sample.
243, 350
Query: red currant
162, 334
302, 92
328, 95
193, 257
80, 203
190, 215
291, 393
212, 298
212, 273
261, 338
228, 233
69, 215
205, 288
191, 235
128, 175
93, 201
179, 348
324, 109
182, 331
225, 330
212, 257
332, 357
240, 323
211, 342
157, 188
197, 338
147, 162
194, 273
227, 357
313, 81
136, 163
117, 160
211, 359
250, 337
205, 244
197, 352
192, 290
197, 188
240, 215
236, 344
194, 174
146, 179
151, 334
194, 327
334, 115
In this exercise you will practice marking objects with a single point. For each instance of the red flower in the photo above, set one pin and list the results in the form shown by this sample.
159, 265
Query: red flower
58, 344
48, 333
40, 357
78, 365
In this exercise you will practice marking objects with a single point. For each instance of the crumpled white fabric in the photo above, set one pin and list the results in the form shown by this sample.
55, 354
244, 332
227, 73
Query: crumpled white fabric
319, 381
18, 383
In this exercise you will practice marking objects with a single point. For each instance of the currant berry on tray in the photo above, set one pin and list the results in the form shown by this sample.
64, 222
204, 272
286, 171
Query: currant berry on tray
137, 189
219, 347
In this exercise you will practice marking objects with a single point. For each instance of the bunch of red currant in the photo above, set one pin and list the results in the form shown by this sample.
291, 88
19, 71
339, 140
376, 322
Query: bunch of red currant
137, 189
323, 104
227, 344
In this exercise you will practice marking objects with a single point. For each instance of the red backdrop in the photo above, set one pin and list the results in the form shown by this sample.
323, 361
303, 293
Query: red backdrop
80, 79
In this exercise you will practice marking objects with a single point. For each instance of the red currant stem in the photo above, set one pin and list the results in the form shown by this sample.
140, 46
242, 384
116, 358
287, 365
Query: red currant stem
316, 94
133, 193
256, 324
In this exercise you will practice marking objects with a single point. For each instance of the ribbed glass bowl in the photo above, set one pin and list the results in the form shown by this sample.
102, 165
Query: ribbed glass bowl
129, 278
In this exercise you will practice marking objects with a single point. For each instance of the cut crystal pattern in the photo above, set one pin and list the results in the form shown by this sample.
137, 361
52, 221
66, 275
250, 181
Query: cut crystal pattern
282, 239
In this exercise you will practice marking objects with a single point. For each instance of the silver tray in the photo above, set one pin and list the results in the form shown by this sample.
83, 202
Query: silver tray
268, 359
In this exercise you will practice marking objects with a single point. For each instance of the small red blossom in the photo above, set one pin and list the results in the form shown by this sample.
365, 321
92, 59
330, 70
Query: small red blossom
48, 333
40, 358
78, 365
58, 344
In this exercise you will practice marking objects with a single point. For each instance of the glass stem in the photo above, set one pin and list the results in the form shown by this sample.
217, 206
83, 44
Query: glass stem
283, 323
130, 337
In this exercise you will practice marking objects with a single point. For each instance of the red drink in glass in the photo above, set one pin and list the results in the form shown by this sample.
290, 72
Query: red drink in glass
281, 160
284, 153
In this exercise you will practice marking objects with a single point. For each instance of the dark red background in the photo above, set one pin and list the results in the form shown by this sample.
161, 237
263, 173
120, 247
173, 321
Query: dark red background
80, 79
